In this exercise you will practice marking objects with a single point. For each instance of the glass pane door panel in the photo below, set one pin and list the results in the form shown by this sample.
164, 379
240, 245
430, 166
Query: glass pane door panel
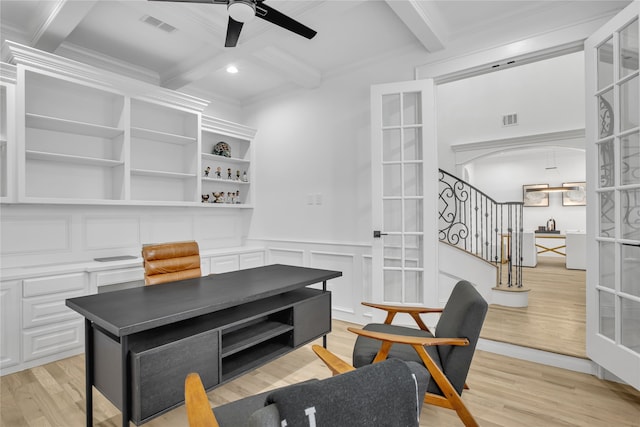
607, 214
630, 269
412, 144
393, 251
630, 324
605, 64
605, 114
392, 211
412, 112
629, 104
391, 145
391, 180
606, 164
630, 212
393, 285
391, 110
413, 179
606, 311
413, 216
413, 286
629, 49
630, 159
607, 265
413, 251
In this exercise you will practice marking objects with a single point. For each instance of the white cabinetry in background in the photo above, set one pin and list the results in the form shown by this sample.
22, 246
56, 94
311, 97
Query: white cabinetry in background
232, 261
9, 323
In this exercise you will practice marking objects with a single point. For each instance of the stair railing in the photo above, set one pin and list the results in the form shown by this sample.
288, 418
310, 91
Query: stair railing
474, 222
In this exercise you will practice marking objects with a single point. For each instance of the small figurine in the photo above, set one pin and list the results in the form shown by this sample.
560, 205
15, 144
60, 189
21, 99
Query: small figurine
228, 173
207, 170
218, 171
238, 197
244, 177
229, 197
218, 197
237, 175
205, 198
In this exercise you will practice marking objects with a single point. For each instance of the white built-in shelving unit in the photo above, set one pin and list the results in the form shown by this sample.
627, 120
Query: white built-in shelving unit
87, 136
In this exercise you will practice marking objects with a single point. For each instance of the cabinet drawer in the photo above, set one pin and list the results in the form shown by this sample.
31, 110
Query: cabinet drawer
158, 373
46, 341
53, 284
224, 264
120, 276
312, 318
45, 310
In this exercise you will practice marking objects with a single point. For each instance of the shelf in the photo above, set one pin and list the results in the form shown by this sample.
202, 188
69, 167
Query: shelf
215, 157
224, 181
70, 126
252, 358
154, 135
162, 174
242, 339
67, 158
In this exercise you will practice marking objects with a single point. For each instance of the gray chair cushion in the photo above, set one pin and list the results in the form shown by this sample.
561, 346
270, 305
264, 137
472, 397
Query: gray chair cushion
462, 317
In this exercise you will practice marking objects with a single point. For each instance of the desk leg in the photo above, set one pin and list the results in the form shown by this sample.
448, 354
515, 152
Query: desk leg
88, 370
126, 404
324, 337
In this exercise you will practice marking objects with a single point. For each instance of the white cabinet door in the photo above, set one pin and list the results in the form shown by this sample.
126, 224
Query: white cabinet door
251, 260
224, 264
613, 185
9, 323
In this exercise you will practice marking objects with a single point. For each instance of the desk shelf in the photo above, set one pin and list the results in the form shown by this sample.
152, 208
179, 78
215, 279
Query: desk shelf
255, 356
251, 335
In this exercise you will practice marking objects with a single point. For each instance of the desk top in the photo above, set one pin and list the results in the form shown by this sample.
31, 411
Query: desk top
133, 310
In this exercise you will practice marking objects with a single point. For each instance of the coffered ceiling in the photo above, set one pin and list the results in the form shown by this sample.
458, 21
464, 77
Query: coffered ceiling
185, 49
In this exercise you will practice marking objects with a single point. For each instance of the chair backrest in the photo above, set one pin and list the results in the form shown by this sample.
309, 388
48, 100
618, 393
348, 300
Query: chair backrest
462, 317
168, 262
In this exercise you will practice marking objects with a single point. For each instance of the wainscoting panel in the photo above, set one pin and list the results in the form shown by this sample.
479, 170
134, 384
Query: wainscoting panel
35, 234
105, 232
285, 256
367, 283
168, 229
342, 289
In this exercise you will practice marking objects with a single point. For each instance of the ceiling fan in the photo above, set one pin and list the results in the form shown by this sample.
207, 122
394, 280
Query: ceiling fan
241, 11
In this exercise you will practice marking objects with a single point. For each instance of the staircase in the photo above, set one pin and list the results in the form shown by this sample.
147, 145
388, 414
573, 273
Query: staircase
473, 222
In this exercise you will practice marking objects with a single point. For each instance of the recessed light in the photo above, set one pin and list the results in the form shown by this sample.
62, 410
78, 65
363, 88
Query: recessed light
232, 69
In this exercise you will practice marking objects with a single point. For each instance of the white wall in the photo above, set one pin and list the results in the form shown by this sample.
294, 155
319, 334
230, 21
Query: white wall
548, 96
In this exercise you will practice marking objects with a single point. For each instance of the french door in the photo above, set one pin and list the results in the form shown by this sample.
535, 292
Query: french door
613, 182
405, 180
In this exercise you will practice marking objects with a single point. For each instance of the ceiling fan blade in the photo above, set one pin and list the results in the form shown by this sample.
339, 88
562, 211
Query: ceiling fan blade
270, 14
233, 32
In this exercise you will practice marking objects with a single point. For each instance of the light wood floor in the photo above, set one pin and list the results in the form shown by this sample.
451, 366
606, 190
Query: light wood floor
504, 392
555, 319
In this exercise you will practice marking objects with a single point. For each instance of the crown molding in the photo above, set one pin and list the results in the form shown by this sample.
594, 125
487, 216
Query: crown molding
21, 55
7, 73
226, 127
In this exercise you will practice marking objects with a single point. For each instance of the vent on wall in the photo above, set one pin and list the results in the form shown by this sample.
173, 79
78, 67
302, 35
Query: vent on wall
510, 119
155, 22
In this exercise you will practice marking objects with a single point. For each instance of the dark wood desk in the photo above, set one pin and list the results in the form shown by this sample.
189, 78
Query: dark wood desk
140, 343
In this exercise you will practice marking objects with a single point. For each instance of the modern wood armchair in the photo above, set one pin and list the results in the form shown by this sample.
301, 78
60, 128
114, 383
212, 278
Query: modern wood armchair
381, 395
447, 353
168, 262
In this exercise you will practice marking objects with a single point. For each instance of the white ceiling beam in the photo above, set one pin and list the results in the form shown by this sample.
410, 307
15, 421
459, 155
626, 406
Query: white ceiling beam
424, 20
59, 23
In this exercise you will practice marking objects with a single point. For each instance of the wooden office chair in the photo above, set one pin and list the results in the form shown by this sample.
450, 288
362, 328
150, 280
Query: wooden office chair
383, 394
447, 354
168, 262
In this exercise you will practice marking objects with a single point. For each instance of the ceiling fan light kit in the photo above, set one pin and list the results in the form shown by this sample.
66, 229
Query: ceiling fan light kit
241, 11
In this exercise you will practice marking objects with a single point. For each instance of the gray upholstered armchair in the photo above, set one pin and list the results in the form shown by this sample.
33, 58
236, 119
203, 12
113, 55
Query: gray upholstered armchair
383, 394
447, 353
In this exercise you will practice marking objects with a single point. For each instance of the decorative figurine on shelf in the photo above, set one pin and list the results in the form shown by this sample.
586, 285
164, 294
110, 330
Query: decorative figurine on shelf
244, 177
219, 197
218, 172
205, 198
551, 225
228, 173
237, 175
222, 149
229, 197
238, 197
207, 170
